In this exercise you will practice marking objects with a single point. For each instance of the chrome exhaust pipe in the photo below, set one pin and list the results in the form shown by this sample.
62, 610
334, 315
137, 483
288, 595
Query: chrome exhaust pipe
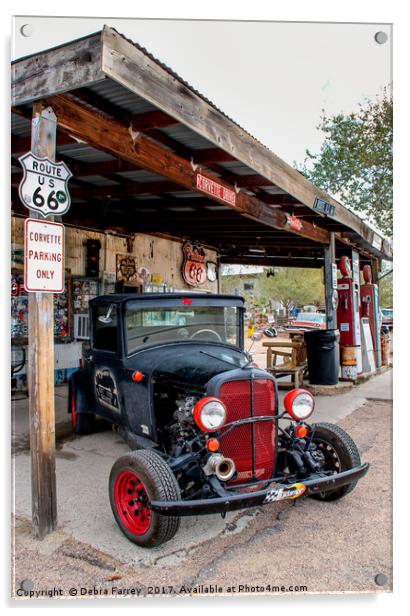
225, 469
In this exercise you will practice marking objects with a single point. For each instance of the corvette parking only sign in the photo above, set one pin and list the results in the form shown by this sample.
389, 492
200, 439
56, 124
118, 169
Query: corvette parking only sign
43, 256
44, 185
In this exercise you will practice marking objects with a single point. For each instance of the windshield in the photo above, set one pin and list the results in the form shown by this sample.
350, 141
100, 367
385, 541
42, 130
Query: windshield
147, 326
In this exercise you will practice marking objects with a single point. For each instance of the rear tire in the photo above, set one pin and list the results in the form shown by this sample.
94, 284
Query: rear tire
83, 423
135, 479
341, 454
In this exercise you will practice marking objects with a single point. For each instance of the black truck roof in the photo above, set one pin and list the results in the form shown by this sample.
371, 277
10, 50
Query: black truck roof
161, 298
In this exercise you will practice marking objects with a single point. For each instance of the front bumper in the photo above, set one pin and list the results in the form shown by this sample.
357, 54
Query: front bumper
276, 492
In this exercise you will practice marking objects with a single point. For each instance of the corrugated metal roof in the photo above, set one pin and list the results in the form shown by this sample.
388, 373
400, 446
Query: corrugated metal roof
84, 153
120, 96
141, 175
184, 195
98, 180
236, 167
187, 137
21, 127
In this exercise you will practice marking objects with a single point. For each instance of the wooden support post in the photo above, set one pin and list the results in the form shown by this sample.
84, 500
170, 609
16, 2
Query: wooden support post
41, 365
375, 270
330, 260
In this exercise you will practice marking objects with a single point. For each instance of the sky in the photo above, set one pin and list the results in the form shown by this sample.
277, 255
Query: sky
272, 78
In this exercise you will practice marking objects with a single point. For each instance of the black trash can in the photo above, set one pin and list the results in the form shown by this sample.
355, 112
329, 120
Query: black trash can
322, 347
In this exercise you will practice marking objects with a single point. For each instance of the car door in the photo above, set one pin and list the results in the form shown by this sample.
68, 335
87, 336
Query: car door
106, 362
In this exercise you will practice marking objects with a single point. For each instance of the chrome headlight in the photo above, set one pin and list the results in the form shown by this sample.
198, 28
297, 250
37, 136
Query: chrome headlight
209, 414
299, 404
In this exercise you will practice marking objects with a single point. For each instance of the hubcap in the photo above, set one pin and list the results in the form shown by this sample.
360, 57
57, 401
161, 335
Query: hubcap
332, 461
131, 501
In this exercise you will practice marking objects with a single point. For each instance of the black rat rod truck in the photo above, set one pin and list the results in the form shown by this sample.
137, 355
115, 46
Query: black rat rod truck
171, 374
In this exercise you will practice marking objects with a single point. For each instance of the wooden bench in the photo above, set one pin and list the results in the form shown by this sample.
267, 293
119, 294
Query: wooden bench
294, 360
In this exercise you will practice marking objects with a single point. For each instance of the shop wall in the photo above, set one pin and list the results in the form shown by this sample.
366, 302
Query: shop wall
160, 256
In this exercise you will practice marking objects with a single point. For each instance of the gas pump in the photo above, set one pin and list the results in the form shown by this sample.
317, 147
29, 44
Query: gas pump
348, 317
369, 295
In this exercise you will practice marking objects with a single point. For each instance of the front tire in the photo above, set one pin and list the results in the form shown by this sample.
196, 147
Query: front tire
340, 453
135, 479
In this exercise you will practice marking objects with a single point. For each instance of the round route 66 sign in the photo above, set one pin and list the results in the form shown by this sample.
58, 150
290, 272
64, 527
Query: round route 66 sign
44, 185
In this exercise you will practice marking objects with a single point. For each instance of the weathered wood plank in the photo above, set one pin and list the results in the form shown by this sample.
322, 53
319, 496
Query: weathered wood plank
131, 67
41, 368
114, 138
57, 70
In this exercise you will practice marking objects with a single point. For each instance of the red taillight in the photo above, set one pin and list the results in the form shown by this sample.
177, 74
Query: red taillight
186, 301
137, 376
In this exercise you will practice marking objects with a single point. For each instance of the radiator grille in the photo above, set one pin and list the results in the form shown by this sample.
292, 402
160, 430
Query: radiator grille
251, 446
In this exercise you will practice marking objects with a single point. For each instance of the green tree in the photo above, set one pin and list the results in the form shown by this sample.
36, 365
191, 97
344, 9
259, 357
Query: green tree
294, 287
355, 162
386, 289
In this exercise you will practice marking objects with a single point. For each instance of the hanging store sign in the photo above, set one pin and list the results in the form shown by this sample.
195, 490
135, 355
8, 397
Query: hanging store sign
193, 266
324, 207
377, 241
216, 190
43, 256
44, 185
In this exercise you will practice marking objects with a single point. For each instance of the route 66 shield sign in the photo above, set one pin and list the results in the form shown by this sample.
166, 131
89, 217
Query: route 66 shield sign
44, 185
193, 266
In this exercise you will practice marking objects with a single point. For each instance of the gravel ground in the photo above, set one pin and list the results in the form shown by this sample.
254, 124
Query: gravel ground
310, 547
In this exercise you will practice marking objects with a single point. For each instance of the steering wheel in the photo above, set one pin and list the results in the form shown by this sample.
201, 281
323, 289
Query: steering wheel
207, 331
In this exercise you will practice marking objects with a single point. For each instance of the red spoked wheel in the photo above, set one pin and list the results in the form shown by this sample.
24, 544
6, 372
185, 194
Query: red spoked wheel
136, 479
132, 500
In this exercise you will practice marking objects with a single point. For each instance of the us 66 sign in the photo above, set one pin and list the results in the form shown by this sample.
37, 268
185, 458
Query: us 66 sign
44, 185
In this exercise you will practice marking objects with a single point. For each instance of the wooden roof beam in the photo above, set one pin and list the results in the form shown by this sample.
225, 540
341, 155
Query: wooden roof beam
111, 136
151, 120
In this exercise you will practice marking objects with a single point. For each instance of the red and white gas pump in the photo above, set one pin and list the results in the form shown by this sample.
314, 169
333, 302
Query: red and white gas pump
369, 295
348, 317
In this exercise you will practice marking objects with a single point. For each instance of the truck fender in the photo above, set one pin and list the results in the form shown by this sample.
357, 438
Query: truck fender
78, 390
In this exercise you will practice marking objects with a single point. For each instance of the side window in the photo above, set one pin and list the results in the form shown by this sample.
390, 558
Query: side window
105, 328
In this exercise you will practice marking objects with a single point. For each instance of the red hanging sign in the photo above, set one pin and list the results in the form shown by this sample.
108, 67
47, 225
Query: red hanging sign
293, 222
216, 190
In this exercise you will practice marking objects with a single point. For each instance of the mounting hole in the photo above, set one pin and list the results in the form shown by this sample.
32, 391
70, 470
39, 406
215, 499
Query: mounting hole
26, 30
27, 585
380, 37
381, 579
